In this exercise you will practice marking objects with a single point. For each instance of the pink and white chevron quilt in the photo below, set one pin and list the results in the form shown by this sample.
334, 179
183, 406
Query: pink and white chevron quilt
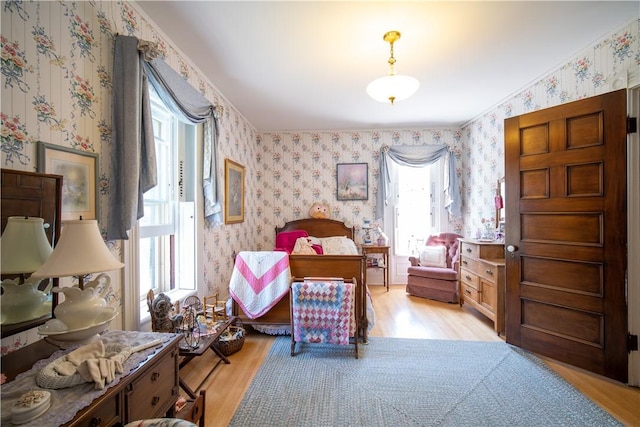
259, 280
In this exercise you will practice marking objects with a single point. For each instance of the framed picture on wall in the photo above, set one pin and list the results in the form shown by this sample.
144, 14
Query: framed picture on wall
233, 192
352, 181
79, 170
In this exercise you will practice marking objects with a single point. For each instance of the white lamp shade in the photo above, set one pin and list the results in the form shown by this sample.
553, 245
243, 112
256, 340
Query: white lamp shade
79, 251
24, 246
398, 87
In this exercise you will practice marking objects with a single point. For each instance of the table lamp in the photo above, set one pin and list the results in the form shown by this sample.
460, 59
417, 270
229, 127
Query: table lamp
23, 249
366, 229
79, 252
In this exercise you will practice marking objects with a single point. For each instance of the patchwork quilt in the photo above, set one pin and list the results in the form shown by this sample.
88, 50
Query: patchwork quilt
323, 311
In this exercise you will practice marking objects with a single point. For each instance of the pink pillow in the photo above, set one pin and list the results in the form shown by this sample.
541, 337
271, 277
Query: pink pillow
286, 240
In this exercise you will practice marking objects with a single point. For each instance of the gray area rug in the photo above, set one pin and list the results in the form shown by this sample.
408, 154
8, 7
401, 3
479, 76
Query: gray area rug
410, 382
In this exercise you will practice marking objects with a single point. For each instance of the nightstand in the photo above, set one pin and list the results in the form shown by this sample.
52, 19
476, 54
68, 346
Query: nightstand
384, 251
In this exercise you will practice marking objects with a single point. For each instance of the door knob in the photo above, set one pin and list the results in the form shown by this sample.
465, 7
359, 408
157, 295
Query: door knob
512, 248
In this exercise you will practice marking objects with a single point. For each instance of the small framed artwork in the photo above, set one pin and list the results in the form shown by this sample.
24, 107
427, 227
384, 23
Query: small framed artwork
79, 170
352, 181
501, 225
233, 192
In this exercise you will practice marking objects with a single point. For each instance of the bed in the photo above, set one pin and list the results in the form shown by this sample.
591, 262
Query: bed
344, 266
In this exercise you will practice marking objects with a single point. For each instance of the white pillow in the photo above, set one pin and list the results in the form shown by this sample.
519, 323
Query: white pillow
433, 256
338, 245
314, 240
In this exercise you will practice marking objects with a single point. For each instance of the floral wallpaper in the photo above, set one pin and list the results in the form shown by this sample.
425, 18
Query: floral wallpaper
298, 169
56, 87
592, 72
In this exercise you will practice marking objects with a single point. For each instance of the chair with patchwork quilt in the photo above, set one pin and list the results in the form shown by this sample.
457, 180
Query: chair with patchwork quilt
434, 273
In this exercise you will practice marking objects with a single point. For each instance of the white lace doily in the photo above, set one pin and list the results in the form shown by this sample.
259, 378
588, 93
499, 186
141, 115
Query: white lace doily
65, 403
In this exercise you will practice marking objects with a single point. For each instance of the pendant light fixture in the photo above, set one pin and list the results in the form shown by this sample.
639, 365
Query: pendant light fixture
393, 87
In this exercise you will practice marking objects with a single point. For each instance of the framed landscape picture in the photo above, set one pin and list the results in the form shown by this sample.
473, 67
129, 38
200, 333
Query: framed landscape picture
352, 181
79, 170
233, 192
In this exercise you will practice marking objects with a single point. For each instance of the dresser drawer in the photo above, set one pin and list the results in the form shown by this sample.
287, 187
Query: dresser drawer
488, 271
470, 264
108, 413
469, 278
469, 293
482, 250
155, 391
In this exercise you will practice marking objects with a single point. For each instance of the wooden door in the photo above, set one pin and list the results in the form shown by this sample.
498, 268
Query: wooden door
566, 233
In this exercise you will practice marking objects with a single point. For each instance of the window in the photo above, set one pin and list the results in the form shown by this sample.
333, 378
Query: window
166, 252
418, 206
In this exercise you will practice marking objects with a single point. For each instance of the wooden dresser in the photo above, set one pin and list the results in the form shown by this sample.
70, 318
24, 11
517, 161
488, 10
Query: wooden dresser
482, 279
149, 391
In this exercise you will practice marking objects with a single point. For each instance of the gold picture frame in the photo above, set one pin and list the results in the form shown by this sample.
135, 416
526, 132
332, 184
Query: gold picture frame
233, 192
79, 170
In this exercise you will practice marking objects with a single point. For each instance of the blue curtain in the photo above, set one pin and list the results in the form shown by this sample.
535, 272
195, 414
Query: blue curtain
133, 153
133, 158
191, 107
419, 156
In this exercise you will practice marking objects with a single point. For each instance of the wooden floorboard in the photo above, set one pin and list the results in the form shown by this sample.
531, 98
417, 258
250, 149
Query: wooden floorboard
402, 316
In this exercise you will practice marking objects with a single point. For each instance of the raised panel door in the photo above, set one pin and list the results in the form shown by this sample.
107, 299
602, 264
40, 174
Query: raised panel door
567, 229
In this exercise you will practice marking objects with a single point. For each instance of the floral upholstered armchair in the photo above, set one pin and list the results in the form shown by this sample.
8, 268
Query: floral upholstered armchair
434, 273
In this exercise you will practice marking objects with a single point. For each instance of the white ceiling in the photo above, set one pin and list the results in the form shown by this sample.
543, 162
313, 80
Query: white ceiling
305, 65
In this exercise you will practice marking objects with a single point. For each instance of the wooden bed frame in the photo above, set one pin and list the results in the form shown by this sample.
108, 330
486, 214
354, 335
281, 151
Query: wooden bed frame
345, 266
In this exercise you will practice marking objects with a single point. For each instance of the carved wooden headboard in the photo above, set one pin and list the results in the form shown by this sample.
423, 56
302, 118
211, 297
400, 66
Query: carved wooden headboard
319, 227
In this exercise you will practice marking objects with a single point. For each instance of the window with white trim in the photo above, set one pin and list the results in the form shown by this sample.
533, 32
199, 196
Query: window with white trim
419, 206
166, 251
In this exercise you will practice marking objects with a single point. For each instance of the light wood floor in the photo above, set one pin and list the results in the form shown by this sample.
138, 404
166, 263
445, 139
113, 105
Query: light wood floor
402, 316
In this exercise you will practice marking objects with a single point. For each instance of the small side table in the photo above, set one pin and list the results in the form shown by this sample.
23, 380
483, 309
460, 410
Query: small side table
384, 250
206, 342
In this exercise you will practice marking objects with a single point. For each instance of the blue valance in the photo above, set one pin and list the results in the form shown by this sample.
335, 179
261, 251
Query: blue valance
419, 156
133, 155
191, 106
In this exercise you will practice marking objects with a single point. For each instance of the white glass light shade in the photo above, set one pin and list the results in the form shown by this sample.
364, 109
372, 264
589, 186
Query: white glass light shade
79, 251
393, 88
24, 246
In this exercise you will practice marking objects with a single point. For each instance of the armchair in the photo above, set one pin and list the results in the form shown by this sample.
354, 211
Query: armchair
434, 274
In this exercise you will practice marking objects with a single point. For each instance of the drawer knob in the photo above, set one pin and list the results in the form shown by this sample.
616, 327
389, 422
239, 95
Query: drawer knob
469, 250
155, 400
464, 261
155, 376
490, 272
468, 277
468, 291
95, 422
